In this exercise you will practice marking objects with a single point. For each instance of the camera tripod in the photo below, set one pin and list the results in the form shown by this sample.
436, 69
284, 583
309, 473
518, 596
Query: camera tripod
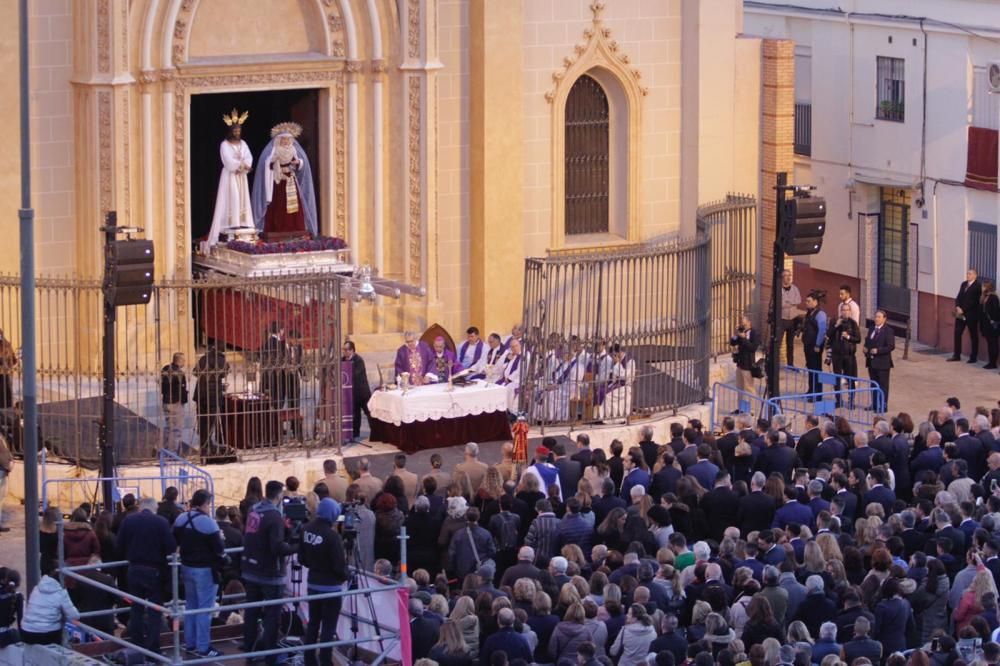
357, 581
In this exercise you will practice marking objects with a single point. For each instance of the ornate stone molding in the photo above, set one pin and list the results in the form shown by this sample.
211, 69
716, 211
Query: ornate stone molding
182, 26
104, 36
413, 143
125, 163
340, 156
413, 29
597, 48
379, 66
104, 154
354, 67
124, 50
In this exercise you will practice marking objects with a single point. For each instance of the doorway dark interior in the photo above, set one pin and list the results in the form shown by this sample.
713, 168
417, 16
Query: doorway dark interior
267, 109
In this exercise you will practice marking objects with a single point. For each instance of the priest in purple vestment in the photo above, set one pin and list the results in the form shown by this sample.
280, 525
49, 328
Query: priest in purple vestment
444, 363
414, 357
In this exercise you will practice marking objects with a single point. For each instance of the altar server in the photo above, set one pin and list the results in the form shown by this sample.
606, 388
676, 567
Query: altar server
563, 386
514, 364
618, 401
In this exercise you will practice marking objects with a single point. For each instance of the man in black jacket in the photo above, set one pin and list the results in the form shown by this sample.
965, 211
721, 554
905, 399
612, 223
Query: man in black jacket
362, 390
145, 541
570, 471
649, 447
967, 311
232, 537
842, 340
756, 510
809, 441
202, 560
721, 506
879, 344
745, 342
174, 394
210, 394
264, 552
322, 553
861, 645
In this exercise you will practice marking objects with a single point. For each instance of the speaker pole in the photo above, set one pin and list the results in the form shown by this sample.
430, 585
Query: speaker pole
774, 352
107, 430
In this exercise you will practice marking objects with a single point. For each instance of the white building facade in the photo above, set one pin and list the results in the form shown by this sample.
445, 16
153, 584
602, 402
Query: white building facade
896, 126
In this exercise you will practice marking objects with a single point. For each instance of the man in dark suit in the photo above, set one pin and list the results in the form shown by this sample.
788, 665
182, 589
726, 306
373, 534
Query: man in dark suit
913, 539
582, 455
604, 503
727, 442
677, 437
362, 391
704, 470
839, 482
831, 448
616, 464
861, 455
981, 430
930, 458
793, 511
649, 447
272, 372
900, 460
756, 510
570, 471
777, 457
721, 506
424, 629
878, 492
861, 645
945, 529
689, 454
883, 439
665, 481
810, 439
879, 344
970, 449
816, 502
967, 311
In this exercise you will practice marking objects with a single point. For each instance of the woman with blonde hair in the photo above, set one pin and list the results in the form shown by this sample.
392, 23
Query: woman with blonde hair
798, 635
829, 547
451, 648
464, 617
573, 553
813, 562
524, 594
488, 496
581, 586
772, 651
438, 605
568, 596
569, 634
971, 604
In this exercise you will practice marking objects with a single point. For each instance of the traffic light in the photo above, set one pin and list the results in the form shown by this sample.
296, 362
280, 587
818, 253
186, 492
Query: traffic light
803, 225
128, 272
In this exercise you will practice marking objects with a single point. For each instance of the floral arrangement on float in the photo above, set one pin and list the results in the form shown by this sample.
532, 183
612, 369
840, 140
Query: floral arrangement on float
319, 244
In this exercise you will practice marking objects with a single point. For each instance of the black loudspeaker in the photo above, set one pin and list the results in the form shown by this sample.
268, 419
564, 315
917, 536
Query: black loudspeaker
128, 272
803, 225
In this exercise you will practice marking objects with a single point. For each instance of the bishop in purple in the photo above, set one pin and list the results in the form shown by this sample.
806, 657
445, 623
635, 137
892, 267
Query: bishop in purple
444, 363
414, 357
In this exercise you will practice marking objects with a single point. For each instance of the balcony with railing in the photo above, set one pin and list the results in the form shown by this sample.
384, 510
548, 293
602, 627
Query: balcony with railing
803, 129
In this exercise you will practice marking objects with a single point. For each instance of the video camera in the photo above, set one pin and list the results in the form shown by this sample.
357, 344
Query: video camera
350, 520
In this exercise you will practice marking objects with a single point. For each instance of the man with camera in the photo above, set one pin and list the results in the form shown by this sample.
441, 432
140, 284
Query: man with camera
322, 552
264, 550
842, 340
202, 560
746, 342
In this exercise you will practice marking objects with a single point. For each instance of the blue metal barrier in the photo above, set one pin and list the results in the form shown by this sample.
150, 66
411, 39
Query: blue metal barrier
727, 399
856, 405
189, 477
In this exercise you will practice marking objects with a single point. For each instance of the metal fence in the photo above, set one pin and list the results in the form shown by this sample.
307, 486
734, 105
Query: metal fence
373, 636
261, 366
734, 245
669, 306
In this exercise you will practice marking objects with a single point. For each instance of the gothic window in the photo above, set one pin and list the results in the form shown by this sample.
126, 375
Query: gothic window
587, 158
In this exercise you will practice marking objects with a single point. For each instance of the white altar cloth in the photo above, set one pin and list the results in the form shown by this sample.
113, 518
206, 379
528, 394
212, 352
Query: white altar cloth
432, 402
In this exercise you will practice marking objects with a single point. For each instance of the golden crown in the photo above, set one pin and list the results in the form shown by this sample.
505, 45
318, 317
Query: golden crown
286, 128
234, 117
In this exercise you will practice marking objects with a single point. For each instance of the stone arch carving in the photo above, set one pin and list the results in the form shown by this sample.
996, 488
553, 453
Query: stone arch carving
338, 37
601, 57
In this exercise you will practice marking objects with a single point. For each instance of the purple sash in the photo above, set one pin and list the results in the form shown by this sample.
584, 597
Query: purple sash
513, 369
565, 374
475, 357
619, 383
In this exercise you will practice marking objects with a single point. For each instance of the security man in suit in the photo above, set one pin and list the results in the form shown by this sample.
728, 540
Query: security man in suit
967, 311
842, 339
362, 389
879, 344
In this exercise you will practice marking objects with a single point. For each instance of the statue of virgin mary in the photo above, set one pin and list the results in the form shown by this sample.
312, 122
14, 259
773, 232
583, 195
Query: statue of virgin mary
283, 197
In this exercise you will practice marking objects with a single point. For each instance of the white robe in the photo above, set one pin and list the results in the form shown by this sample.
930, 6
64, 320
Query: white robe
512, 379
618, 401
232, 203
492, 370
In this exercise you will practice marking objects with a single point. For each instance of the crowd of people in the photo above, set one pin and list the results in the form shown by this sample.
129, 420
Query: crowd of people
843, 546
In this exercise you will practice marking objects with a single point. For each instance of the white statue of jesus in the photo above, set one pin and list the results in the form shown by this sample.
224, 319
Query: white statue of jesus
232, 203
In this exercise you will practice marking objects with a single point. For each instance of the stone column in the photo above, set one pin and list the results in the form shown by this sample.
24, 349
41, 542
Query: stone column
101, 99
420, 68
496, 173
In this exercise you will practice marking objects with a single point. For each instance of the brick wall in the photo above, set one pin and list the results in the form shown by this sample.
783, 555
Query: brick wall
777, 139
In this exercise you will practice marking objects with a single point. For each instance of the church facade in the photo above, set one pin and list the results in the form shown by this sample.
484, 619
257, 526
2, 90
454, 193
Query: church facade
450, 139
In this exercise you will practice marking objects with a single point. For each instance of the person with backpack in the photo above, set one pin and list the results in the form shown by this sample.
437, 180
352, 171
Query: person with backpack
505, 528
202, 560
11, 606
470, 547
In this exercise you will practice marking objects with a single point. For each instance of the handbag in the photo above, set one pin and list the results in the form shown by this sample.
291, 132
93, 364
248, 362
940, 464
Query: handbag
475, 553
